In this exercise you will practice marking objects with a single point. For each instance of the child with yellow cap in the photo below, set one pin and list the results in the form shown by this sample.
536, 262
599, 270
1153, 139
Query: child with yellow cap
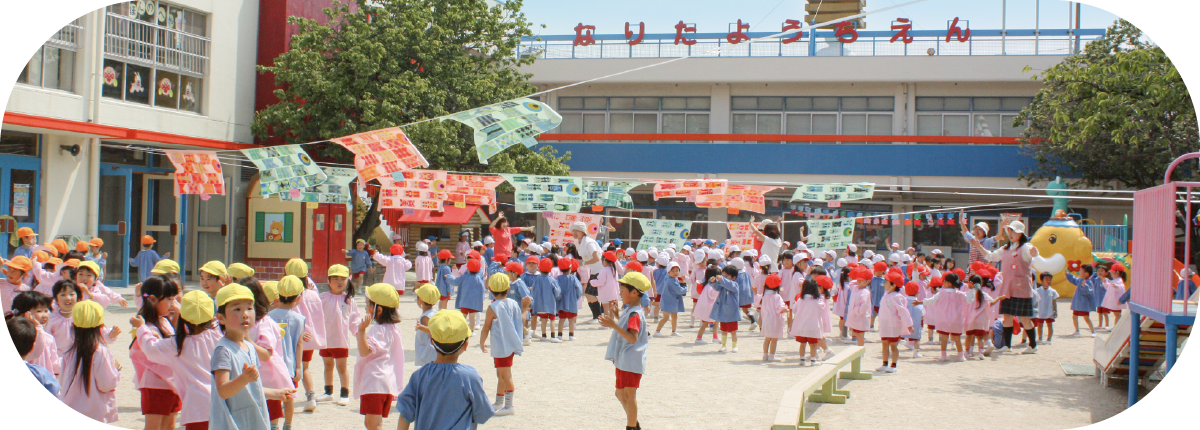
87, 274
445, 394
628, 343
284, 296
342, 320
267, 337
506, 339
311, 307
187, 354
90, 373
239, 401
379, 371
146, 258
427, 296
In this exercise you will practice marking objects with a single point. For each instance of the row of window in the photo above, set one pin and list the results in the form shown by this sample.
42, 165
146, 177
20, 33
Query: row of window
814, 103
144, 85
634, 103
634, 122
163, 14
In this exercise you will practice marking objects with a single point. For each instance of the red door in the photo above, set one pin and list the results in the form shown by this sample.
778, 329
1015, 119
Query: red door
329, 239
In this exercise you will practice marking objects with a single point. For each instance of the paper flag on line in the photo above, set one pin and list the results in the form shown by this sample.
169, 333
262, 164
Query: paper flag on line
197, 172
466, 190
560, 226
609, 193
834, 192
502, 125
413, 189
284, 168
545, 193
830, 234
689, 188
336, 189
740, 234
740, 197
660, 233
382, 152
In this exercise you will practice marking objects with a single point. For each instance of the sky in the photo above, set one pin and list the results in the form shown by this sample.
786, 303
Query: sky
660, 16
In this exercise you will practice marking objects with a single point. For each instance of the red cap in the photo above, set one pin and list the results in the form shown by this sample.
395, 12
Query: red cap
634, 266
564, 264
545, 265
896, 270
500, 258
936, 281
1117, 267
515, 267
852, 266
895, 279
574, 265
962, 274
910, 289
533, 259
861, 273
474, 255
396, 249
976, 266
474, 265
824, 281
774, 280
610, 256
988, 272
923, 270
880, 266
445, 254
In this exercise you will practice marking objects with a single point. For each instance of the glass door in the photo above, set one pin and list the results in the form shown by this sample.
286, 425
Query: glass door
162, 211
19, 204
210, 231
115, 209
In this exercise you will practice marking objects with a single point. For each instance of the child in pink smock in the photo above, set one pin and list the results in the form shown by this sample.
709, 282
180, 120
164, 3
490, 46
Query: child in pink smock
96, 396
859, 309
87, 274
606, 282
379, 370
423, 265
808, 321
702, 309
979, 318
342, 321
66, 296
189, 363
160, 400
314, 324
773, 314
1116, 289
950, 305
35, 307
894, 320
395, 266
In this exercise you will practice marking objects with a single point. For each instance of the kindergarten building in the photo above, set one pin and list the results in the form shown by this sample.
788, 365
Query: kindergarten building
920, 119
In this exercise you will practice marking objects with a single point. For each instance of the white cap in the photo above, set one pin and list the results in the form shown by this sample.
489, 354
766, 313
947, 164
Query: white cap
800, 256
753, 252
641, 256
801, 246
1185, 272
546, 246
738, 263
747, 253
422, 247
868, 254
895, 245
629, 252
670, 252
764, 261
671, 246
734, 248
687, 248
905, 258
476, 243
877, 258
852, 247
579, 225
935, 252
715, 255
488, 240
830, 254
427, 240
983, 226
895, 258
652, 249
841, 262
767, 221
527, 241
662, 260
672, 265
818, 262
1017, 227
535, 248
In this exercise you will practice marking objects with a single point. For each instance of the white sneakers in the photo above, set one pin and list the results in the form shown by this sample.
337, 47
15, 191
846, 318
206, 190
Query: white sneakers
659, 334
1029, 350
828, 355
508, 410
310, 405
1047, 341
734, 349
526, 341
675, 334
571, 337
324, 398
555, 340
891, 370
343, 401
701, 340
916, 354
753, 326
882, 368
723, 349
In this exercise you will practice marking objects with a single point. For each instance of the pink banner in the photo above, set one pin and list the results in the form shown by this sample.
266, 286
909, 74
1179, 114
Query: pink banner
740, 234
690, 189
382, 152
741, 197
560, 226
465, 190
419, 189
197, 172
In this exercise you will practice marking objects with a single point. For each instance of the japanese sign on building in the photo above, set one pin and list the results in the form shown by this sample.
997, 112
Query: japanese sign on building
845, 32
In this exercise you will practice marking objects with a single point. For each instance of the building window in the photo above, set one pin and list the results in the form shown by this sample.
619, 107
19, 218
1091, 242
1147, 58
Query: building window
813, 115
53, 65
156, 54
970, 116
18, 143
643, 115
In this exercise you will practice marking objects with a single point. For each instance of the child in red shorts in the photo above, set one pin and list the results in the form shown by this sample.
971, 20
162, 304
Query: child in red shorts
628, 343
379, 371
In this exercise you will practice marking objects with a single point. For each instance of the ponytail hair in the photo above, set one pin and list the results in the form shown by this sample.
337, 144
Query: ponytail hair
183, 329
977, 285
349, 289
160, 288
84, 345
952, 279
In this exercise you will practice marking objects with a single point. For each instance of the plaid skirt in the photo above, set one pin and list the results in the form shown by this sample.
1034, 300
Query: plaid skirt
1017, 307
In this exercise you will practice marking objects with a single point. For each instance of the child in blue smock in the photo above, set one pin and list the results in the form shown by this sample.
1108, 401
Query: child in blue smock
745, 291
1046, 309
518, 291
444, 394
360, 259
442, 281
628, 343
670, 295
568, 301
146, 258
1084, 303
470, 291
877, 290
427, 296
546, 292
726, 310
917, 313
239, 401
503, 323
1183, 290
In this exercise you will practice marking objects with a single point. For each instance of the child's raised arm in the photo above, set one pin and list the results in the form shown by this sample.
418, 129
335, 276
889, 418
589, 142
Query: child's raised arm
364, 348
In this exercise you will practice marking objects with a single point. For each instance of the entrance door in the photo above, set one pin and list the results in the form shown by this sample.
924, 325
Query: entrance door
19, 177
210, 231
161, 218
116, 184
329, 238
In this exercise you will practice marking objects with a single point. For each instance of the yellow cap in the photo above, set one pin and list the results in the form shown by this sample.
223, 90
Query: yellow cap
196, 307
291, 286
165, 266
448, 326
239, 271
271, 290
215, 268
384, 295
498, 283
429, 294
233, 292
637, 280
339, 270
296, 267
87, 314
90, 265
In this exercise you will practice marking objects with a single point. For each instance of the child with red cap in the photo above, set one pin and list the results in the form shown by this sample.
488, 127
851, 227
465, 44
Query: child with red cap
979, 317
894, 321
470, 291
912, 291
546, 292
858, 311
568, 301
950, 304
606, 282
774, 316
808, 320
443, 272
395, 266
877, 289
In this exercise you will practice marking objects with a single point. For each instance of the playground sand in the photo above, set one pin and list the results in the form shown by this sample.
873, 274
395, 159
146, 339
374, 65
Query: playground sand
687, 385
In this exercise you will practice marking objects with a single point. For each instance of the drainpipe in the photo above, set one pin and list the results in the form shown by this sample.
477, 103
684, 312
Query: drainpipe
93, 150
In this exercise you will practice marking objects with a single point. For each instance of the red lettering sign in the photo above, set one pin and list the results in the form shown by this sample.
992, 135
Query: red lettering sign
641, 33
735, 37
961, 34
583, 35
846, 33
680, 28
792, 24
904, 25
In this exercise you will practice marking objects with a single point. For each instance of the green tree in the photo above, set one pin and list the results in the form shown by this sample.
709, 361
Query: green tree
1116, 112
395, 62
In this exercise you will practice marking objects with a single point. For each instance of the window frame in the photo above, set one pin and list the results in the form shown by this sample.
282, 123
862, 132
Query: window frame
608, 111
972, 115
784, 112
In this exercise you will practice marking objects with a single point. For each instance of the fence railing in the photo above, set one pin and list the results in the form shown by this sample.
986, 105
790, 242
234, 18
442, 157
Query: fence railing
1107, 238
151, 45
66, 37
869, 43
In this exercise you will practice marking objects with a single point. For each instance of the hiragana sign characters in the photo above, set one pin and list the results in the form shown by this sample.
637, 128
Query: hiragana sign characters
681, 28
903, 25
640, 36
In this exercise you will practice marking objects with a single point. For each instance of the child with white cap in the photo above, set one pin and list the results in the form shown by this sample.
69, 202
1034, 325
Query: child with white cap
423, 265
670, 297
489, 248
745, 290
445, 394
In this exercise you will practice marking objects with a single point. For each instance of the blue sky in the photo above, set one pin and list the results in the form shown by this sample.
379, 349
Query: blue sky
660, 16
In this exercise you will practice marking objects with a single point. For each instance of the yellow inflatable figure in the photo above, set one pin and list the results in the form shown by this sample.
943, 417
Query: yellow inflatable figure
1061, 245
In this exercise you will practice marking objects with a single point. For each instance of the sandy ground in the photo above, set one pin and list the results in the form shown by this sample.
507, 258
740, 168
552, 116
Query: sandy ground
687, 385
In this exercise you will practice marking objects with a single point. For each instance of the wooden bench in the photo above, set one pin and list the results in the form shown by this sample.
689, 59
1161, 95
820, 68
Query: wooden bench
819, 386
853, 356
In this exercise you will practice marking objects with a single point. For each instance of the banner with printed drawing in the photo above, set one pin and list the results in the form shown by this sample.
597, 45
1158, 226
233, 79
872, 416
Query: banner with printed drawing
197, 172
463, 190
284, 168
413, 189
609, 193
334, 190
560, 226
535, 193
830, 234
740, 197
500, 126
834, 192
382, 152
689, 189
741, 234
660, 233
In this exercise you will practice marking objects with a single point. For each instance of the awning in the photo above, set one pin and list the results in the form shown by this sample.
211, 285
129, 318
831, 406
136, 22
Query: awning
40, 124
449, 215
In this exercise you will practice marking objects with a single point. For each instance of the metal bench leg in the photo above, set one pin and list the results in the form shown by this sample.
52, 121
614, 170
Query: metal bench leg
827, 393
855, 371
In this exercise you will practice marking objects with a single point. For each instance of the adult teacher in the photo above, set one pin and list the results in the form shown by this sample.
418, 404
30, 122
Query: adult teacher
502, 234
770, 237
980, 230
590, 254
1016, 289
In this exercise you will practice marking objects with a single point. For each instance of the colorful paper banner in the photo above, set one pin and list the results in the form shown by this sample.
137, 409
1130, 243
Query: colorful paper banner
546, 193
382, 152
334, 190
741, 234
830, 234
502, 125
740, 197
413, 189
197, 172
609, 193
689, 188
463, 190
660, 233
284, 168
560, 226
834, 192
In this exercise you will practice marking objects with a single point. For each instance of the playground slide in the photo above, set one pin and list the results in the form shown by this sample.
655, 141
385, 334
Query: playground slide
1111, 353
